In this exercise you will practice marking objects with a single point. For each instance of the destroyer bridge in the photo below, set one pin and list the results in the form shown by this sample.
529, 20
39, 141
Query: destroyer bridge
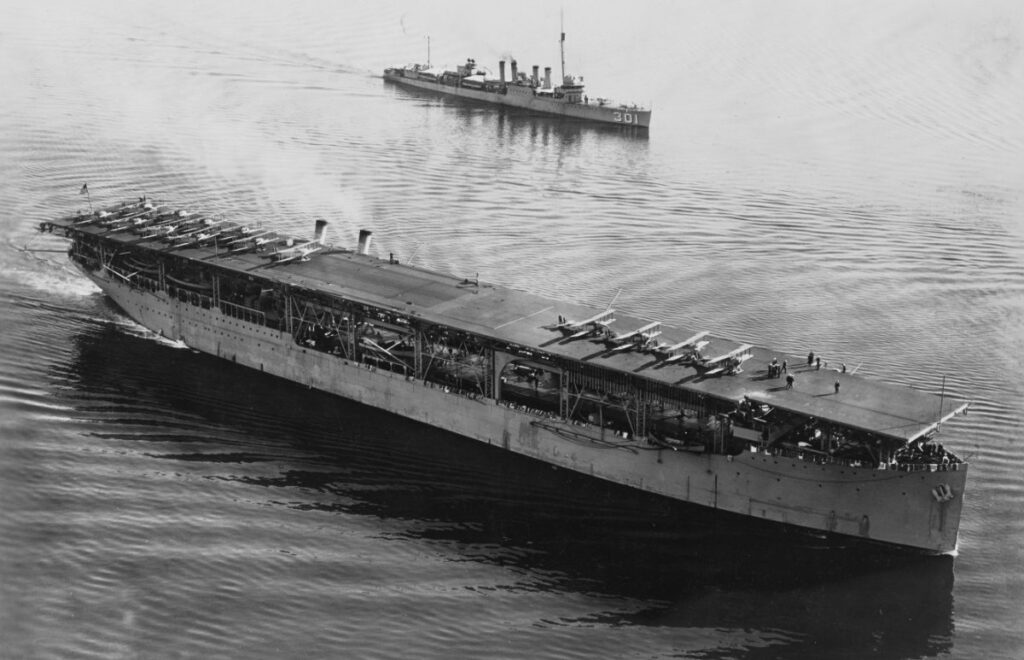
573, 380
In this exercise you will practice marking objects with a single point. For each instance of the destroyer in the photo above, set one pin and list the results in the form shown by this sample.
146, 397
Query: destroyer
684, 414
520, 90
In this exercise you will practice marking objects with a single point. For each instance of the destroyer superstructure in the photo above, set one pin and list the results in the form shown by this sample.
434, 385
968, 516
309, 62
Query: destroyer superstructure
521, 90
681, 413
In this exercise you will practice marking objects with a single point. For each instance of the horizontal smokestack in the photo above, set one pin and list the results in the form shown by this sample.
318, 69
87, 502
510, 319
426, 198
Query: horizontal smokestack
320, 233
364, 241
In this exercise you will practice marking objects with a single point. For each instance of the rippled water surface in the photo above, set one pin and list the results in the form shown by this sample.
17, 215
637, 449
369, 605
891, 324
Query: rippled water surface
842, 177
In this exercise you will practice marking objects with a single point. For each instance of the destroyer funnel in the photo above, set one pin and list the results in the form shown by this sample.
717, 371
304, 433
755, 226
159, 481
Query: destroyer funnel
320, 233
364, 241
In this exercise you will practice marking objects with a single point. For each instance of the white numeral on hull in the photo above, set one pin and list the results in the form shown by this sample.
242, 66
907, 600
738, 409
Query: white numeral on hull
625, 117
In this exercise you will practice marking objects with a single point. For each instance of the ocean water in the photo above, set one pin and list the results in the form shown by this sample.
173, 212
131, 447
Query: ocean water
841, 177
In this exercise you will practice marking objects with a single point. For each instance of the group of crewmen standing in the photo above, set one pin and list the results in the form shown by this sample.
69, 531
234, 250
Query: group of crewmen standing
775, 370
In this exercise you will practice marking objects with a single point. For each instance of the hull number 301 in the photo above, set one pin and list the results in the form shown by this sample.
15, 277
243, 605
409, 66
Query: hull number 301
625, 117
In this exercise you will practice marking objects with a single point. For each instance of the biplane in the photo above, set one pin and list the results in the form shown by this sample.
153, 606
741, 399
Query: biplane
204, 230
160, 224
176, 230
108, 219
208, 234
251, 241
590, 327
638, 339
727, 363
132, 220
302, 251
295, 252
687, 350
238, 233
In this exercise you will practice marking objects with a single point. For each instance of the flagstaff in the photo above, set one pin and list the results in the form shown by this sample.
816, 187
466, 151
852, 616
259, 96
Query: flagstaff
85, 191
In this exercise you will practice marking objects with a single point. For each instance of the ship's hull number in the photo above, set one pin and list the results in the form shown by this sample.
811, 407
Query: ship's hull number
625, 117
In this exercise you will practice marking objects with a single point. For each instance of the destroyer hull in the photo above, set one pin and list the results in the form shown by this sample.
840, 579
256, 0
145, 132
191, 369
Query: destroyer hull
525, 98
889, 506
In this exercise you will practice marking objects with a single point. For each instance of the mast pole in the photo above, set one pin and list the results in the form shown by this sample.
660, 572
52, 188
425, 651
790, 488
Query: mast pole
942, 396
561, 20
85, 191
428, 51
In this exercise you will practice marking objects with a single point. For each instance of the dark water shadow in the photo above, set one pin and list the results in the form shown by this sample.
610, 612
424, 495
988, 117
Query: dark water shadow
692, 566
512, 120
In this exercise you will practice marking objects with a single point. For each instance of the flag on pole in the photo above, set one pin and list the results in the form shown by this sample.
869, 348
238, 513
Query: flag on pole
85, 191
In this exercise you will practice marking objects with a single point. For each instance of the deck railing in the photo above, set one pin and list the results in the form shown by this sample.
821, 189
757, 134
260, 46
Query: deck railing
825, 459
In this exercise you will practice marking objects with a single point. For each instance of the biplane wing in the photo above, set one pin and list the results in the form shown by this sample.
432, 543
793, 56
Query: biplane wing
295, 252
684, 349
649, 331
638, 339
689, 342
302, 250
579, 329
251, 236
571, 326
728, 362
196, 234
691, 351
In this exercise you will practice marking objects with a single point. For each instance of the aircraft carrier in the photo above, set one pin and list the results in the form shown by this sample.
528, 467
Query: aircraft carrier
521, 90
680, 412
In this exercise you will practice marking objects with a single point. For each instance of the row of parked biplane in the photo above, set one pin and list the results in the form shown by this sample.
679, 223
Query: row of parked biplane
181, 229
645, 340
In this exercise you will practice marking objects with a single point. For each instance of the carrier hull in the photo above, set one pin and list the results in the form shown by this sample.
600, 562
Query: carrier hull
883, 505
